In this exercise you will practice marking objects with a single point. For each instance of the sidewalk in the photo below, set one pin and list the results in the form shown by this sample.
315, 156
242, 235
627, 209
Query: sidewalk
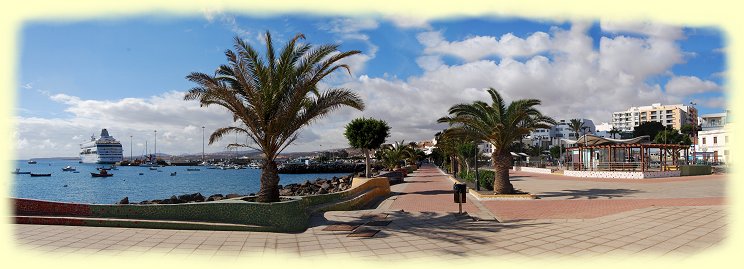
427, 227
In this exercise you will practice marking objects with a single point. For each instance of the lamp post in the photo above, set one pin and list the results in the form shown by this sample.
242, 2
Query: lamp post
202, 144
130, 149
583, 128
475, 163
156, 146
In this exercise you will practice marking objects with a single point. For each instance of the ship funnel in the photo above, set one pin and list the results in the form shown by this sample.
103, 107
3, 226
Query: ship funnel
104, 133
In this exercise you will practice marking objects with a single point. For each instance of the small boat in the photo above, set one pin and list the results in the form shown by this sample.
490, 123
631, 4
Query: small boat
75, 172
193, 169
19, 172
41, 175
68, 168
102, 173
31, 162
173, 174
153, 168
141, 174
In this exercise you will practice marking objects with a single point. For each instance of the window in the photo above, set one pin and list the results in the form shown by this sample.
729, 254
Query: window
703, 141
725, 139
715, 140
725, 152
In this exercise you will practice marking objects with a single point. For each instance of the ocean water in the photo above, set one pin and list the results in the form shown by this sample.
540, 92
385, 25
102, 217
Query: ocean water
127, 182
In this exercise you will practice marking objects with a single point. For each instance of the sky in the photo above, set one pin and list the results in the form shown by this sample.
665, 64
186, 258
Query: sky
128, 74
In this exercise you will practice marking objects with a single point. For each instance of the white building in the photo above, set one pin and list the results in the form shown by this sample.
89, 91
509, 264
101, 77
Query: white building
552, 137
713, 139
667, 115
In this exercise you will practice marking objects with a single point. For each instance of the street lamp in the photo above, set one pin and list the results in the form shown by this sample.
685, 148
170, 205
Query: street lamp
156, 146
475, 161
582, 152
130, 149
202, 144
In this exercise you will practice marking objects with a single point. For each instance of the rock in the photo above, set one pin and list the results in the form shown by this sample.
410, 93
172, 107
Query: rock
232, 195
285, 192
215, 197
322, 191
325, 186
251, 194
194, 197
124, 201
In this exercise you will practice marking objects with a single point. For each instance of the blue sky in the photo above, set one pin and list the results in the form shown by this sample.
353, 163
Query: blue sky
77, 77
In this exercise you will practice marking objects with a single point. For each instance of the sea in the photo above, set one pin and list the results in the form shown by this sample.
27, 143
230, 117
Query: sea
127, 182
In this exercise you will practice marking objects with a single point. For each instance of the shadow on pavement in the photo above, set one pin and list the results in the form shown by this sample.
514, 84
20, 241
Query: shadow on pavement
590, 193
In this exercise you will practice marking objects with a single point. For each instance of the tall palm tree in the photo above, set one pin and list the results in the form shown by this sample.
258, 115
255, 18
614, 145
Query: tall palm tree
613, 132
273, 96
575, 125
499, 125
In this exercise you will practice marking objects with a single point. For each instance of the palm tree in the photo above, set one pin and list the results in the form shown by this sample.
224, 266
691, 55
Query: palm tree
499, 125
394, 154
273, 96
575, 125
613, 132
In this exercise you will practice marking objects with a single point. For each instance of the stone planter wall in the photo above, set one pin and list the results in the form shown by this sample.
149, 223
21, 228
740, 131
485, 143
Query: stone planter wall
620, 174
537, 170
285, 216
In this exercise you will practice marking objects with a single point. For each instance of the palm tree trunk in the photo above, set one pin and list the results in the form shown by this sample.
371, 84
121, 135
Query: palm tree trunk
269, 191
366, 163
501, 166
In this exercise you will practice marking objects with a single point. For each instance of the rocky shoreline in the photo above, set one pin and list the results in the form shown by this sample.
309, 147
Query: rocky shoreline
318, 186
321, 168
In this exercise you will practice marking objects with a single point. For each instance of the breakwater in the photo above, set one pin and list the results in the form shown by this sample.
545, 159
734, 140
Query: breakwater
321, 168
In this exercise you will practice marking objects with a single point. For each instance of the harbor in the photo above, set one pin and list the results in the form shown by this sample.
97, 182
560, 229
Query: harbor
137, 183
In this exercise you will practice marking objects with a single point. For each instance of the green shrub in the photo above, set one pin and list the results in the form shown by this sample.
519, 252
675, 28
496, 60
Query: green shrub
485, 178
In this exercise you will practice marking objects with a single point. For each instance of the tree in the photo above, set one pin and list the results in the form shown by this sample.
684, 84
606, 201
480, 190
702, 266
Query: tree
499, 125
555, 151
613, 132
649, 128
274, 96
672, 136
394, 154
575, 125
366, 134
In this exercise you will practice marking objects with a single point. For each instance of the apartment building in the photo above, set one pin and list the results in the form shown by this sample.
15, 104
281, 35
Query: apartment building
552, 136
713, 139
668, 115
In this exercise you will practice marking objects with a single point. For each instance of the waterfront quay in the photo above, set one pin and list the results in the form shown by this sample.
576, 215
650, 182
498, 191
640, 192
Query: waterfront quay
576, 218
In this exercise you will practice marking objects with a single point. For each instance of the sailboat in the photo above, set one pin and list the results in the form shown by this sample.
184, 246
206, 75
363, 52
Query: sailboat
149, 162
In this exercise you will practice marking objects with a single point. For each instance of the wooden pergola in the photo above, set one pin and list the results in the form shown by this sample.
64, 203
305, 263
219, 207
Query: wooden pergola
613, 156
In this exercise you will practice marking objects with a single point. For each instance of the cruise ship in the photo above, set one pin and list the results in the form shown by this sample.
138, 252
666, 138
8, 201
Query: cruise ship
105, 149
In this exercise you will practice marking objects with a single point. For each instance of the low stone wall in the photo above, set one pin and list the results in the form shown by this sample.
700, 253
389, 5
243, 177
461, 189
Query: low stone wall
536, 170
621, 174
695, 170
285, 216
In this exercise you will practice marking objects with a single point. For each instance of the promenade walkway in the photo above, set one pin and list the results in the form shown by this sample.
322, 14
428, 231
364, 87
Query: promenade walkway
419, 223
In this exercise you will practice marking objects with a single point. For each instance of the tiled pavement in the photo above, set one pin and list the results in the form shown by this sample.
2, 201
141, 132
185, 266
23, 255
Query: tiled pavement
431, 231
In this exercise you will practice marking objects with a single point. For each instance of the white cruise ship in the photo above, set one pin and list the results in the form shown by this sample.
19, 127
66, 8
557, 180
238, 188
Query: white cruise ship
103, 150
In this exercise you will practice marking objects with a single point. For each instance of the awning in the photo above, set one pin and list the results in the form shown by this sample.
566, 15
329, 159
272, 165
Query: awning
514, 154
524, 155
593, 140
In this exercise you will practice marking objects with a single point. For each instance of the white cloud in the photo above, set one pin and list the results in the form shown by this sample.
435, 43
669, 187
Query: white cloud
645, 28
686, 85
479, 47
352, 29
408, 21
